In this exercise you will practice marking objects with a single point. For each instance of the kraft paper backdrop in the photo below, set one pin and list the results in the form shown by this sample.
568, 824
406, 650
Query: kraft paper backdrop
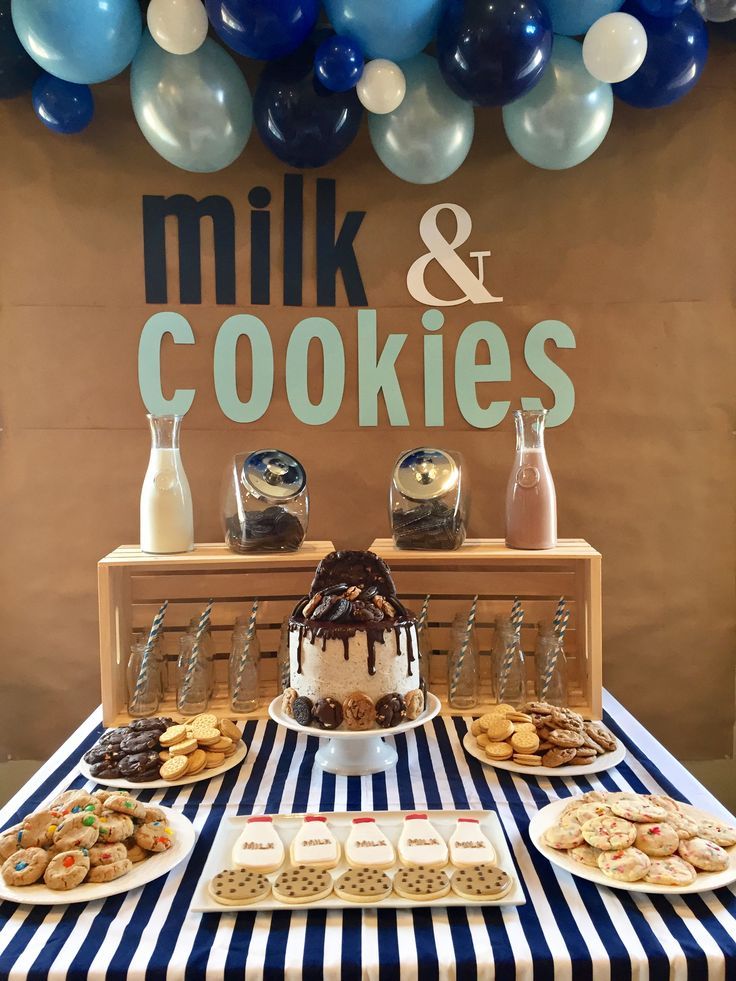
634, 250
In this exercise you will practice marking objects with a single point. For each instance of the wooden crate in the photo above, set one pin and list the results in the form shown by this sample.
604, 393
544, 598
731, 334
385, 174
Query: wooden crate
498, 574
132, 585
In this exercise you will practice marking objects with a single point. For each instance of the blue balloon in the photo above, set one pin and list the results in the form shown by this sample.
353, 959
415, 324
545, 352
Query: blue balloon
492, 53
194, 109
565, 118
664, 8
338, 63
676, 53
263, 29
395, 30
84, 41
65, 107
429, 135
18, 71
573, 17
299, 120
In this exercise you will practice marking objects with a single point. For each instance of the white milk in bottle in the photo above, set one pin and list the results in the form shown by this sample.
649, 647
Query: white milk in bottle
167, 519
531, 503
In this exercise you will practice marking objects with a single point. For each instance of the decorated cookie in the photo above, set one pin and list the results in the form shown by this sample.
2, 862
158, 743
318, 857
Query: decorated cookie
69, 799
124, 804
638, 809
421, 883
625, 864
671, 871
586, 855
259, 847
609, 833
154, 837
114, 827
77, 831
67, 869
469, 846
314, 844
720, 834
657, 839
483, 881
109, 871
107, 854
239, 888
358, 711
25, 866
303, 884
704, 854
361, 884
421, 844
368, 846
564, 836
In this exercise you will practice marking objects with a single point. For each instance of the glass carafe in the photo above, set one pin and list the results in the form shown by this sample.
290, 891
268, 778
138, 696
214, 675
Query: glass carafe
531, 505
550, 666
508, 672
166, 515
462, 665
206, 650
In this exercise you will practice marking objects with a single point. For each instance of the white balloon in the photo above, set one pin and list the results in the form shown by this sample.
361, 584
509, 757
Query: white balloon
382, 86
178, 26
614, 47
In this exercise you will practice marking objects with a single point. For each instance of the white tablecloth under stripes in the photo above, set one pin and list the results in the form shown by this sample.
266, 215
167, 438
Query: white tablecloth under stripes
567, 929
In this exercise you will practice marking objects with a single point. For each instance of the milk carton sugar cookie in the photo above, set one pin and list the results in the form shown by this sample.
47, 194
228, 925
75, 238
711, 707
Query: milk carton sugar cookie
314, 844
367, 845
421, 844
469, 846
259, 847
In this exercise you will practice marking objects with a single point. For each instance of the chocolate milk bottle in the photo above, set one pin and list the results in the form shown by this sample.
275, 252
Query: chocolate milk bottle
531, 504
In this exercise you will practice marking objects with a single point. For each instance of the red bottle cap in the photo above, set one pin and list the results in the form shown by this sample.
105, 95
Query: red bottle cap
364, 820
259, 817
315, 817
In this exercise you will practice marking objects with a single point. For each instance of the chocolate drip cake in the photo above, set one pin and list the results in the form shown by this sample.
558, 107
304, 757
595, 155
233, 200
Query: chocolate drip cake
353, 651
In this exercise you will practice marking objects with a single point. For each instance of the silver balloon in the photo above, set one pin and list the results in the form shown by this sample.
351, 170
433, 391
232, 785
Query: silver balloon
565, 117
718, 11
194, 109
428, 136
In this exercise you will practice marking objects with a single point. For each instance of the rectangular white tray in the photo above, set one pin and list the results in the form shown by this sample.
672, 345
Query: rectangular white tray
220, 858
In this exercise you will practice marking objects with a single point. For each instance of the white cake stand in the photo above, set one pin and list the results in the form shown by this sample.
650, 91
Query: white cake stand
351, 753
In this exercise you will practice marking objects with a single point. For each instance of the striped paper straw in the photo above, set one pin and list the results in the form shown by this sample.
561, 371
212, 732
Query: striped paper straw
559, 612
463, 648
144, 670
560, 628
250, 630
517, 618
422, 621
201, 628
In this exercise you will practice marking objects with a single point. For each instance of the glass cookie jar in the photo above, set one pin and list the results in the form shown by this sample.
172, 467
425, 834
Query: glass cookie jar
428, 500
265, 502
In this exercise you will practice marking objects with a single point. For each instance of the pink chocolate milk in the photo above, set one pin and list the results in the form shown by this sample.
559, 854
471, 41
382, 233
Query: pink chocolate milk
531, 504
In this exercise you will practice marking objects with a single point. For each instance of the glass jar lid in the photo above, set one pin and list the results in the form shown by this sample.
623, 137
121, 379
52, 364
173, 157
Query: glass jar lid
424, 473
273, 474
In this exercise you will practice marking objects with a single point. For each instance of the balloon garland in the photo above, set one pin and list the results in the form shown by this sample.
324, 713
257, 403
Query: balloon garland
553, 66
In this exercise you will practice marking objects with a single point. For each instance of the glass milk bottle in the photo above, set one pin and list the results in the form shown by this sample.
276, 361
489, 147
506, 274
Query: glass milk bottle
531, 504
167, 520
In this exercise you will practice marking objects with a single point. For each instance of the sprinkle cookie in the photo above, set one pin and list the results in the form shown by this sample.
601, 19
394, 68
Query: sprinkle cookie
609, 833
67, 870
586, 855
704, 854
658, 840
672, 871
564, 836
303, 884
421, 883
25, 866
640, 809
155, 836
359, 884
481, 882
626, 864
720, 834
239, 888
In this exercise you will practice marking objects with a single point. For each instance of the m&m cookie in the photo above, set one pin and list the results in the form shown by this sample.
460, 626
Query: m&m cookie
155, 836
25, 866
67, 869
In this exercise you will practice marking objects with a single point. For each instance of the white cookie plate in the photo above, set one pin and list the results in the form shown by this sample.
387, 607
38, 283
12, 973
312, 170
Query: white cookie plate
230, 761
600, 763
550, 815
391, 822
156, 865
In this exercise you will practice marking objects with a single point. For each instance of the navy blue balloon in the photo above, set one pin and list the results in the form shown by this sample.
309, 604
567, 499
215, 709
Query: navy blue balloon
490, 52
65, 107
339, 63
300, 121
664, 8
264, 29
677, 49
18, 71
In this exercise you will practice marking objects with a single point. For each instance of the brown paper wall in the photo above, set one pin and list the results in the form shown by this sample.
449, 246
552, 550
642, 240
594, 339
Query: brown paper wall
634, 250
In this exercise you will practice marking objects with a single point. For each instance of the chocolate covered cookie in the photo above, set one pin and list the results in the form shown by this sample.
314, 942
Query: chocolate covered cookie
327, 713
390, 710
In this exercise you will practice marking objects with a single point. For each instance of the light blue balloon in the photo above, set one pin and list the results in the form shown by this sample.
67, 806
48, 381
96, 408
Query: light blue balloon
194, 109
428, 137
565, 117
574, 17
83, 41
395, 30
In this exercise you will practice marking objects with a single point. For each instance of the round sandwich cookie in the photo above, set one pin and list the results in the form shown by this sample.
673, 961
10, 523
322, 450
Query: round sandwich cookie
25, 866
174, 768
481, 882
107, 854
421, 882
154, 837
184, 747
609, 833
671, 871
213, 760
114, 827
703, 854
563, 836
197, 761
658, 839
109, 871
303, 884
239, 888
67, 869
625, 864
175, 734
498, 750
498, 728
124, 804
207, 736
360, 884
229, 729
640, 809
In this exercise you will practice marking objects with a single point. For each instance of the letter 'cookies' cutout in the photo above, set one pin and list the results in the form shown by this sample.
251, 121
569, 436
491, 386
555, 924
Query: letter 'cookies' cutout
367, 845
469, 846
314, 844
421, 844
259, 847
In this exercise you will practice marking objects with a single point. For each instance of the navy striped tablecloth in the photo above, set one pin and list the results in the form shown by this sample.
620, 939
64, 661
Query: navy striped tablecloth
568, 928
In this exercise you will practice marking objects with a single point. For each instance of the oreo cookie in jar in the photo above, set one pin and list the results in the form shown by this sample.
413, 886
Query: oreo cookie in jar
429, 500
265, 502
